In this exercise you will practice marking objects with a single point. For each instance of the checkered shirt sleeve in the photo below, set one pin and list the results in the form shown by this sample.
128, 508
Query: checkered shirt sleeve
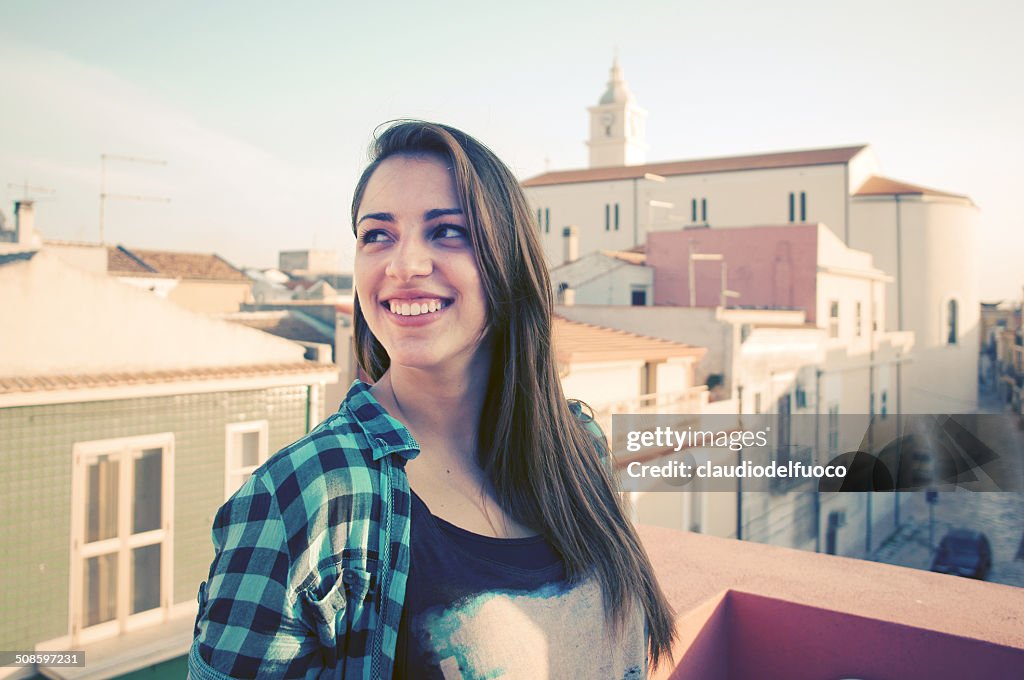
250, 622
320, 531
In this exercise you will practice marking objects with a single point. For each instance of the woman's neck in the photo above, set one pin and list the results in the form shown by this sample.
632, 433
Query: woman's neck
440, 407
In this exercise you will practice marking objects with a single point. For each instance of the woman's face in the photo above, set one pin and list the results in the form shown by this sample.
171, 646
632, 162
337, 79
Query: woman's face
415, 270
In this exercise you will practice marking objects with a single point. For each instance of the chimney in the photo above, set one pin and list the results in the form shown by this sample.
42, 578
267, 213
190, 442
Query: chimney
571, 248
24, 213
566, 295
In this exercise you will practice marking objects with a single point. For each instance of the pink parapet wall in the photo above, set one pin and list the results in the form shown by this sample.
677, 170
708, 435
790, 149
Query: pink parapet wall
767, 266
747, 611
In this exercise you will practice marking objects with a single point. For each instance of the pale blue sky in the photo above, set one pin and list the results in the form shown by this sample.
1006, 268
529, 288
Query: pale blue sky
263, 110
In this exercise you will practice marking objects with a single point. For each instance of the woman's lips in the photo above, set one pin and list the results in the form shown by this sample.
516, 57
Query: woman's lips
415, 306
415, 311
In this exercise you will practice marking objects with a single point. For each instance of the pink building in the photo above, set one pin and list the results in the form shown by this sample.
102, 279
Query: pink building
773, 267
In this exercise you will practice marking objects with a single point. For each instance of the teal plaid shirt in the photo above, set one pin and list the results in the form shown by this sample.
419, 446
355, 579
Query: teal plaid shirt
312, 555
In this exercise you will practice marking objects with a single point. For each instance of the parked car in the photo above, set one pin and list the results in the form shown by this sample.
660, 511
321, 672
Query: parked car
963, 552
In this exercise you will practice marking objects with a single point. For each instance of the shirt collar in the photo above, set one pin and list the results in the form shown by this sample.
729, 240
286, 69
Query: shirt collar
386, 434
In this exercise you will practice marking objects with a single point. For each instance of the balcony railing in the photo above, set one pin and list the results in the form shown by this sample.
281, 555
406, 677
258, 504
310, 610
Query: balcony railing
747, 611
688, 401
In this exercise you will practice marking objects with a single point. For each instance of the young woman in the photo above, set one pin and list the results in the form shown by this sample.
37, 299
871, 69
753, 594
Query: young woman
456, 519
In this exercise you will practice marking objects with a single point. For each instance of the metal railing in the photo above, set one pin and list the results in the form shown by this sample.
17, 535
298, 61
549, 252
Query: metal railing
683, 402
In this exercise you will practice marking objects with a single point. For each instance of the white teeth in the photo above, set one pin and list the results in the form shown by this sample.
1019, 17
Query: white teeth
415, 308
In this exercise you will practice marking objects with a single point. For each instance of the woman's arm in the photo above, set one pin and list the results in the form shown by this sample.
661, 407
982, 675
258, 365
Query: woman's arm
250, 622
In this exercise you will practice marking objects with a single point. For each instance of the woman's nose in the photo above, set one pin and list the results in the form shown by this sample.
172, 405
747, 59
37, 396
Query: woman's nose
410, 259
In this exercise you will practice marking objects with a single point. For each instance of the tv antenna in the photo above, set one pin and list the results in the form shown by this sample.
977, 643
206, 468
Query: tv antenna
123, 197
26, 188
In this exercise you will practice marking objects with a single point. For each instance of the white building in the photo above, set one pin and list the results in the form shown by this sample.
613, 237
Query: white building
925, 239
830, 353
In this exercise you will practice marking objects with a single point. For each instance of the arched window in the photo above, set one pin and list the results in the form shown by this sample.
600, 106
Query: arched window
951, 323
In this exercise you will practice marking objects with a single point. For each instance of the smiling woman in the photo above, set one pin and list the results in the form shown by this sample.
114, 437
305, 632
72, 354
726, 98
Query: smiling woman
456, 519
418, 285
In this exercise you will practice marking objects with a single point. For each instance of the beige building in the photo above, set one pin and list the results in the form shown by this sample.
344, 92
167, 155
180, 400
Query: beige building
201, 282
617, 371
308, 261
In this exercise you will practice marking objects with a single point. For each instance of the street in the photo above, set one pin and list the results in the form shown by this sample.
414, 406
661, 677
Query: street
999, 515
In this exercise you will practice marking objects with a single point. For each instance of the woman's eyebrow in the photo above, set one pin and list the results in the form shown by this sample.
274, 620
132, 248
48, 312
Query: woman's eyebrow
441, 212
381, 216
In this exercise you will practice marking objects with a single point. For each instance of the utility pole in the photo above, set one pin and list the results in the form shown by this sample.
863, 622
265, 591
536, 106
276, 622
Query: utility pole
126, 197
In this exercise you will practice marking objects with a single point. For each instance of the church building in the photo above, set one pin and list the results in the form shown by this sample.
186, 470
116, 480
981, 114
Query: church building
925, 239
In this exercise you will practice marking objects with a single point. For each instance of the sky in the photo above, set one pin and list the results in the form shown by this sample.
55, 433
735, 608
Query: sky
261, 112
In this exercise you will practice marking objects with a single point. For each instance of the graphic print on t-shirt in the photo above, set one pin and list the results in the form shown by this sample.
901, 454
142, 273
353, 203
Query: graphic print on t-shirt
555, 631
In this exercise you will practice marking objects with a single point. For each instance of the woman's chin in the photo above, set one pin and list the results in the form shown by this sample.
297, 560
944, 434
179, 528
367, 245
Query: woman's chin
431, 358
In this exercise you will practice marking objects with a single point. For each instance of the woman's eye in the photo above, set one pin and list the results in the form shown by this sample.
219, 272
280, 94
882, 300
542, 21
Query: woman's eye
447, 231
374, 236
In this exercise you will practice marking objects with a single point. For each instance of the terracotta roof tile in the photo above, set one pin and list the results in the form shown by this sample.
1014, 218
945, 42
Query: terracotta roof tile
12, 385
581, 342
120, 261
205, 266
884, 186
782, 159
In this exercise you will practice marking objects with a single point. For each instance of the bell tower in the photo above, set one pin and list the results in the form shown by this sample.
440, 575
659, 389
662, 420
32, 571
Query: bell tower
617, 125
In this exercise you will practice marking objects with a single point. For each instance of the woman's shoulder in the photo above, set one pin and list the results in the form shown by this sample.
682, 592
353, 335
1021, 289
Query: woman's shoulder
332, 449
341, 456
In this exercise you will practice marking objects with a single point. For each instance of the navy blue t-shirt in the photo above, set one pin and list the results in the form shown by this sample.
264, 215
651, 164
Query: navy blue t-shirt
484, 607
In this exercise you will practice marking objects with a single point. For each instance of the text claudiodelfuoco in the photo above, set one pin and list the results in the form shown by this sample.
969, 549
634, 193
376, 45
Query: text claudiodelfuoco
668, 438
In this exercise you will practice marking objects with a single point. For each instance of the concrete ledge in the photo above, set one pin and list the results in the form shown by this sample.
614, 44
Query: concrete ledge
733, 598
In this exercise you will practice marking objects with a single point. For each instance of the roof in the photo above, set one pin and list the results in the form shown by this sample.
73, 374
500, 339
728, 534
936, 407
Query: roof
72, 322
594, 266
121, 261
583, 342
884, 186
284, 324
630, 256
782, 159
11, 385
165, 263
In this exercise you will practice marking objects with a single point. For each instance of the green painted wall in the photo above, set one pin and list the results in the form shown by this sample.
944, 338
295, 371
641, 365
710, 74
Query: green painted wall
35, 489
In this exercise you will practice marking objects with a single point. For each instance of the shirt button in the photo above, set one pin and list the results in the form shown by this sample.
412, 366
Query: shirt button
348, 577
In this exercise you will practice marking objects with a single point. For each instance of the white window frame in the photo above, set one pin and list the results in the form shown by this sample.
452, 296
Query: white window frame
125, 449
233, 469
833, 321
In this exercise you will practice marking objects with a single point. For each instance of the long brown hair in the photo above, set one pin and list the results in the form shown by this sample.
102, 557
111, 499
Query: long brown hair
546, 470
